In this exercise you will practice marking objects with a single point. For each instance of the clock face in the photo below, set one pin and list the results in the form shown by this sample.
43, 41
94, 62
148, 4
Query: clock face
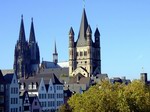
96, 38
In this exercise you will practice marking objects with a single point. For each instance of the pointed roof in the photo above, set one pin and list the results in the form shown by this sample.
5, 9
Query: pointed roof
71, 32
97, 33
22, 31
82, 32
32, 34
8, 77
55, 49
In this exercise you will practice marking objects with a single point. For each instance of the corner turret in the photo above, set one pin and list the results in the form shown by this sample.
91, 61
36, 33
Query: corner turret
97, 38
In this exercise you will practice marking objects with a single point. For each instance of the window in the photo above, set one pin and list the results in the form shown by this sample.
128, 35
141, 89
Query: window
16, 90
22, 86
1, 99
30, 86
26, 108
36, 110
35, 103
76, 53
34, 86
81, 54
1, 88
50, 88
85, 53
14, 81
11, 90
42, 88
39, 96
1, 109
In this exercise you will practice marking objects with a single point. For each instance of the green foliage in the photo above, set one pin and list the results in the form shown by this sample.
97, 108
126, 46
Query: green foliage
117, 97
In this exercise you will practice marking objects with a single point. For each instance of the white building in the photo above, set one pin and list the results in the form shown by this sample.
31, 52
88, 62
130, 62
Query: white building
48, 89
12, 93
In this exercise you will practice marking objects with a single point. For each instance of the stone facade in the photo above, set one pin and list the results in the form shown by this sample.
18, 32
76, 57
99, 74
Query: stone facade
27, 55
84, 54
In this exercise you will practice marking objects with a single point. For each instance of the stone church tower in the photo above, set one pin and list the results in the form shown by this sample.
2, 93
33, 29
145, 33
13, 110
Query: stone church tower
34, 50
84, 54
26, 55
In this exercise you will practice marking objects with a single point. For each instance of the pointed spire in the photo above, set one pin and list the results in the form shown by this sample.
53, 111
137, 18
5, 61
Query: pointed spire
83, 25
71, 32
97, 33
55, 49
32, 34
82, 32
22, 31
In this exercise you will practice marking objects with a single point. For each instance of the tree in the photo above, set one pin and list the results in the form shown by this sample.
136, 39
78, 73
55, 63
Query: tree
106, 97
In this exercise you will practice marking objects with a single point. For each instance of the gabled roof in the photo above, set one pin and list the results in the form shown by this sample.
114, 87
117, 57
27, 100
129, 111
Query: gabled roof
22, 95
32, 97
46, 87
32, 34
48, 64
81, 41
79, 79
8, 78
37, 79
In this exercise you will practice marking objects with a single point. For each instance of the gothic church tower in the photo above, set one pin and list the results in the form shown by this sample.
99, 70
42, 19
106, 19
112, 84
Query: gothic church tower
27, 55
34, 50
84, 54
22, 54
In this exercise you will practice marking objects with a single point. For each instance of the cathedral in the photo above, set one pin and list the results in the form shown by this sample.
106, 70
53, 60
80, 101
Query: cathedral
26, 55
84, 53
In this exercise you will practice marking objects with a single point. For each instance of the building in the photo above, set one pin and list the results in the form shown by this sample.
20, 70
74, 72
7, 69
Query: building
48, 89
144, 78
2, 93
84, 53
119, 80
12, 93
27, 55
29, 103
35, 104
25, 102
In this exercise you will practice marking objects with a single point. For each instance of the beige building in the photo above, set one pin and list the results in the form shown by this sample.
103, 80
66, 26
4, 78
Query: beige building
84, 53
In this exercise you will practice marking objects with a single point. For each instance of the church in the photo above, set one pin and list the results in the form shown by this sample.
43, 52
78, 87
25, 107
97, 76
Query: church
27, 54
84, 53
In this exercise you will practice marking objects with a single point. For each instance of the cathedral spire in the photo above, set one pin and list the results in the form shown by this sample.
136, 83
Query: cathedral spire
83, 28
32, 34
22, 31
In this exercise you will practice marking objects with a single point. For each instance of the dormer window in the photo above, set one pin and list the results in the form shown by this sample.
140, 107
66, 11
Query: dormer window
1, 88
14, 81
30, 86
42, 88
22, 86
34, 86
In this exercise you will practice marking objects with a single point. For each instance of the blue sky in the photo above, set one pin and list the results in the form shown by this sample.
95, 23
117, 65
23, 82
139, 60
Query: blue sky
124, 26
